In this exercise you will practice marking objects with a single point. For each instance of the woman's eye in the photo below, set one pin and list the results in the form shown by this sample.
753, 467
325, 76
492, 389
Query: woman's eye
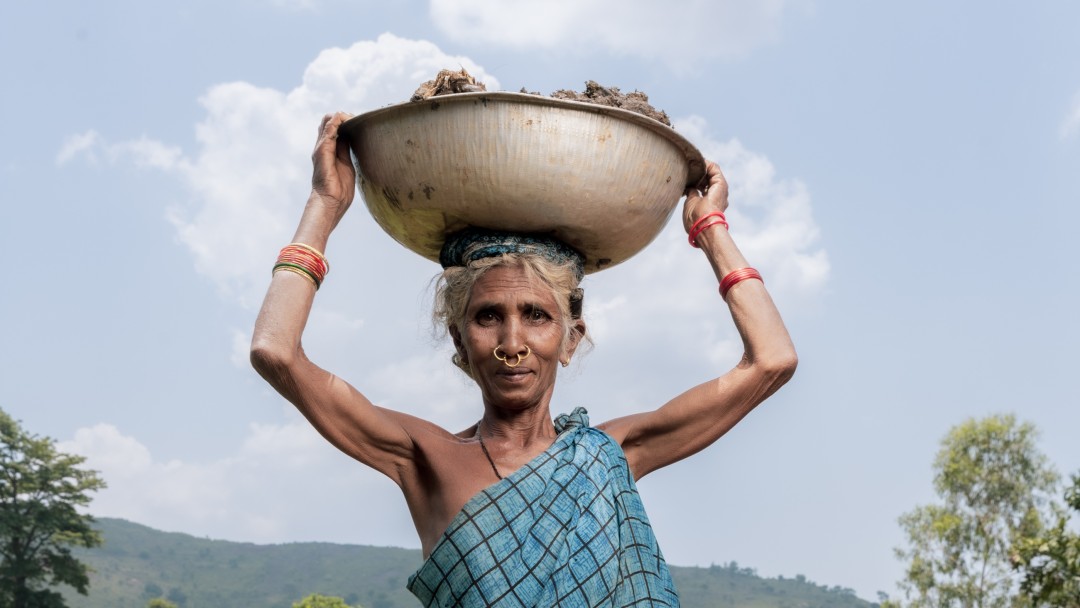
537, 314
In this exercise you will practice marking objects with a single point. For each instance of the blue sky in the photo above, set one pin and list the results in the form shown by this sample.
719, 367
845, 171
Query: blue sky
904, 175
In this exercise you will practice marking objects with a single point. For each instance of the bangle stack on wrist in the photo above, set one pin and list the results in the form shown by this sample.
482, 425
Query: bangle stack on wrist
703, 223
305, 261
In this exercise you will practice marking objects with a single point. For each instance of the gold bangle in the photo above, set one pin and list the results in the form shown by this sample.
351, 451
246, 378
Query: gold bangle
296, 271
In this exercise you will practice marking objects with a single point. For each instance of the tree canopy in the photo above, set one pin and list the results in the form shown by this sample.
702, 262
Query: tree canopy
1050, 562
41, 490
316, 600
995, 488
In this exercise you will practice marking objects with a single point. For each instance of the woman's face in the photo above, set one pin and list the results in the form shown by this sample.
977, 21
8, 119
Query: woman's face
509, 311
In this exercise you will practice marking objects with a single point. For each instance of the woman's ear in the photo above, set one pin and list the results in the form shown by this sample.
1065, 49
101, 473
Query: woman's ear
577, 332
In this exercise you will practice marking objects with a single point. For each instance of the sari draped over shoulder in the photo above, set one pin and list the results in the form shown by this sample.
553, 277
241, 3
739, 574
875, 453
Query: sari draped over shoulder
567, 529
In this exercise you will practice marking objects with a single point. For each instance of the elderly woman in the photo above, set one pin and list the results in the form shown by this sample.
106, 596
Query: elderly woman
518, 509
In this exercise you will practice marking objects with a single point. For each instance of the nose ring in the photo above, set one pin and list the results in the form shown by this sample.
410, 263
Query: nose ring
505, 358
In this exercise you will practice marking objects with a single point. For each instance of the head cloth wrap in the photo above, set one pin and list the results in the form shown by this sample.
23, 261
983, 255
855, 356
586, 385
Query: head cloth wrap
477, 243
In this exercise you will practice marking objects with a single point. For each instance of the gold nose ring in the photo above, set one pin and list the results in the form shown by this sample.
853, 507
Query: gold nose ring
505, 358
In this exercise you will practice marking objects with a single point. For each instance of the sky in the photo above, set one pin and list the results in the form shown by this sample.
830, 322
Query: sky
904, 175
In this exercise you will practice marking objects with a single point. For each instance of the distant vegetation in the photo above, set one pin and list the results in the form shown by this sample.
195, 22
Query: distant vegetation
137, 564
41, 492
996, 538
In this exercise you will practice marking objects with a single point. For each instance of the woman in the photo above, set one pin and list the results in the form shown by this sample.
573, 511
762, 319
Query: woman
516, 510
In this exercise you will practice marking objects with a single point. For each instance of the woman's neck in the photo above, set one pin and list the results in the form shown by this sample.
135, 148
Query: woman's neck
521, 428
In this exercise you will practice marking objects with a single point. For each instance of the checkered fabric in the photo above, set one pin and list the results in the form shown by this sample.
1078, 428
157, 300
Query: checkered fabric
568, 529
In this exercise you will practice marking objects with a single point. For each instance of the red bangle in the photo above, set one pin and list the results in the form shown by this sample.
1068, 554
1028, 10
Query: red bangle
700, 225
735, 276
303, 260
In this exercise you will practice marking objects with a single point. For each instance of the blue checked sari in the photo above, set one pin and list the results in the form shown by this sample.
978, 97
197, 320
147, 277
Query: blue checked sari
568, 529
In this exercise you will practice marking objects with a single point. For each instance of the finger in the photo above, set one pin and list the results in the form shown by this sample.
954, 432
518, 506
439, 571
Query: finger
702, 186
322, 124
337, 119
718, 186
343, 146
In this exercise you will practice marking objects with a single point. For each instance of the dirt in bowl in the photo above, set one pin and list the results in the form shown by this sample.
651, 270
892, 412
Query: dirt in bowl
447, 82
635, 101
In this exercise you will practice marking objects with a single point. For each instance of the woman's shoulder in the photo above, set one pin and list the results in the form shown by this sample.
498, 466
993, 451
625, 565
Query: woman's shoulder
423, 431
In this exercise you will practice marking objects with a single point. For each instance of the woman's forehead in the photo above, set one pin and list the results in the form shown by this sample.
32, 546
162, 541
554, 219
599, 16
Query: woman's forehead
510, 283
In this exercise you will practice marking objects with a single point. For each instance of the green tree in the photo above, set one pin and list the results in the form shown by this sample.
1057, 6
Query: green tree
316, 600
40, 491
995, 489
160, 602
1050, 562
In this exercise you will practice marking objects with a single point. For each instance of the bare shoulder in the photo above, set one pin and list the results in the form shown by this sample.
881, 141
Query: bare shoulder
423, 432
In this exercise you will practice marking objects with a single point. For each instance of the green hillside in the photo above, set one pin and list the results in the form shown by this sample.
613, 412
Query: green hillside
138, 563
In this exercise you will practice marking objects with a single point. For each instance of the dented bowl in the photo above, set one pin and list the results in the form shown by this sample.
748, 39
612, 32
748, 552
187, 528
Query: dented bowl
601, 179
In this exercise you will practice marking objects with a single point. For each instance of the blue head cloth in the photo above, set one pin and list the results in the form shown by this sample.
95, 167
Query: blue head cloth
472, 244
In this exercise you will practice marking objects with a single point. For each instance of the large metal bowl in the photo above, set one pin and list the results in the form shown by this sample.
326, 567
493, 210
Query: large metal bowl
601, 179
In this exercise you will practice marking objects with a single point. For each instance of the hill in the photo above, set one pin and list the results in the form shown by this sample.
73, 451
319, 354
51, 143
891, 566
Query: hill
137, 563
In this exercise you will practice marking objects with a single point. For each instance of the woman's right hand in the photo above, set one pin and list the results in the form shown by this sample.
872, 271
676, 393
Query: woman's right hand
333, 182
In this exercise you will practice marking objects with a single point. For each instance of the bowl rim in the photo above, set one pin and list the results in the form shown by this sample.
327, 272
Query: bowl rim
694, 159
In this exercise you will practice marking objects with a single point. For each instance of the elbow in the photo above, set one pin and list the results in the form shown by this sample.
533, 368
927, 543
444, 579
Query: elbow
778, 368
269, 359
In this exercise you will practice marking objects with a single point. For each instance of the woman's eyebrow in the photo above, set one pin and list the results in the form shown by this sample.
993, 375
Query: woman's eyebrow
529, 305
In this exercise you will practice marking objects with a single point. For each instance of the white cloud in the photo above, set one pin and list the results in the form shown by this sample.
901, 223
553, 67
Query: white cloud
681, 32
666, 301
111, 451
145, 153
241, 346
250, 175
1071, 125
772, 219
283, 480
427, 385
81, 144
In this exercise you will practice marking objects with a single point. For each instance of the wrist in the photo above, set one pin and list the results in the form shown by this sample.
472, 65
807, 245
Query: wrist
703, 225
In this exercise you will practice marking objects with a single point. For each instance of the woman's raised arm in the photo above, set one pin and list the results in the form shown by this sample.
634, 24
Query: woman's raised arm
697, 418
345, 417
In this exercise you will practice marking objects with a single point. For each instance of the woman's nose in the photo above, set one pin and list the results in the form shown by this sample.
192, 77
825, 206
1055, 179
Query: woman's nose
513, 339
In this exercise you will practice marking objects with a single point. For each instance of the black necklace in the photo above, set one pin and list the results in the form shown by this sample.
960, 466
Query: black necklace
484, 448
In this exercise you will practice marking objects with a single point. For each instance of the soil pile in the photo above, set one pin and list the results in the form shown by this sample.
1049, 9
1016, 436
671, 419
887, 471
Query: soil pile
635, 101
450, 81
447, 82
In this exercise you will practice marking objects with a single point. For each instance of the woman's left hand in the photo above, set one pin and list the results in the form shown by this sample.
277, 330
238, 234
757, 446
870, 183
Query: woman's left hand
714, 196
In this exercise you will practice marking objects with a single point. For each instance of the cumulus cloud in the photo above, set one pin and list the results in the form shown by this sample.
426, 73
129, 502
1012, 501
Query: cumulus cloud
1071, 125
253, 164
772, 217
79, 145
677, 31
283, 480
665, 299
92, 148
250, 173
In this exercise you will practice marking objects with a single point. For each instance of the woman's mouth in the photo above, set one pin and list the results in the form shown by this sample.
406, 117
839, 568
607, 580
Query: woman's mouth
516, 373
